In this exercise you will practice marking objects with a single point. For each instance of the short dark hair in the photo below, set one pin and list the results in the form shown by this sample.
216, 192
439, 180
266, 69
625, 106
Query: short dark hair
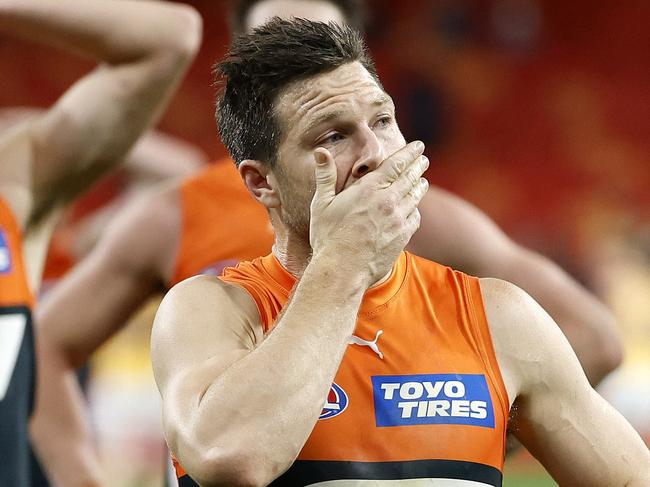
260, 65
354, 11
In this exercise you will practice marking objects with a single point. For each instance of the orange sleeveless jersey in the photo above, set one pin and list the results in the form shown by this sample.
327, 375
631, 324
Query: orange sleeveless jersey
418, 395
16, 354
14, 287
222, 223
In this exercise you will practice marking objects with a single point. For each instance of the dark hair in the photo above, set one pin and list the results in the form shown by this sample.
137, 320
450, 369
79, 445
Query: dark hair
354, 11
259, 65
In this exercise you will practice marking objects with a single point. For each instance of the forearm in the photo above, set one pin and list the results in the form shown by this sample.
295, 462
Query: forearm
265, 405
586, 442
59, 429
145, 48
104, 30
588, 325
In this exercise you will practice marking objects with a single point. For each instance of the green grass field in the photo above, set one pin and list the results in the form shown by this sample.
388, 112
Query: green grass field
528, 480
522, 470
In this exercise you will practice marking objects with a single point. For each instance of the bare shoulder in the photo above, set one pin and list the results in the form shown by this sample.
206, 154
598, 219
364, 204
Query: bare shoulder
446, 201
200, 319
456, 233
144, 234
207, 293
158, 207
530, 347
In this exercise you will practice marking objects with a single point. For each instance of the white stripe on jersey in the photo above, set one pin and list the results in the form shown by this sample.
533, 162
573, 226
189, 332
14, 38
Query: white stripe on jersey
12, 329
401, 483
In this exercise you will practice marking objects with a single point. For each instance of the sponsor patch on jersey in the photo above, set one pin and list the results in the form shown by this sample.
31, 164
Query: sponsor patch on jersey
5, 255
336, 402
405, 400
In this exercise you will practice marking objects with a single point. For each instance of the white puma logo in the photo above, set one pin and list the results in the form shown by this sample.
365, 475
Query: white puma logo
355, 340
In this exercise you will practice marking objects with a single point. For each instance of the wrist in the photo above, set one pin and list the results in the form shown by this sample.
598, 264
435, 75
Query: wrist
346, 277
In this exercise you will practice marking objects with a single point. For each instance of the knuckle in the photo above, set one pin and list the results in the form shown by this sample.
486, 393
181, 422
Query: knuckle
365, 192
420, 189
387, 206
398, 164
413, 178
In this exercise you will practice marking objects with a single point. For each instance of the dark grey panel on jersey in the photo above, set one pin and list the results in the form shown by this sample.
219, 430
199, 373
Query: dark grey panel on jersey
15, 409
304, 472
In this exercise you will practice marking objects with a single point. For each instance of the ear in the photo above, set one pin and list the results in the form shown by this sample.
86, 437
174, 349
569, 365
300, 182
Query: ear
260, 181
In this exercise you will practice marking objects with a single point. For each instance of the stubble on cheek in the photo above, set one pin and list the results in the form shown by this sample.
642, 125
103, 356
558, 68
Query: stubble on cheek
296, 200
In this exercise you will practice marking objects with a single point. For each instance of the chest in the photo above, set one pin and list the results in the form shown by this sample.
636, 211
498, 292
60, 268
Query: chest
410, 398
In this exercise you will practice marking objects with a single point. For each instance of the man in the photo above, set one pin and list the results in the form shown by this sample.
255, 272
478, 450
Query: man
209, 222
417, 365
144, 47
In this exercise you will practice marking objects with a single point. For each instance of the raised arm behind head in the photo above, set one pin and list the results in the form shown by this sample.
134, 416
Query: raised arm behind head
144, 49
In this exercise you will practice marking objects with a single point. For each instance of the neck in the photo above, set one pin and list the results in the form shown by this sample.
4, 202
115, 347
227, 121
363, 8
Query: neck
294, 253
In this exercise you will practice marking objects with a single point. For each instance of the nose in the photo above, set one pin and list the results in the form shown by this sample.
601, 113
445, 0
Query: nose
371, 153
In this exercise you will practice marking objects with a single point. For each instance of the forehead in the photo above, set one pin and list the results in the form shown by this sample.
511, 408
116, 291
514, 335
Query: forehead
316, 10
348, 88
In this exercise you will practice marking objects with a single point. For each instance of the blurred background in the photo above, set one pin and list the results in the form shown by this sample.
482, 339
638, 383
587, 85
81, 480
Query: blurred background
537, 111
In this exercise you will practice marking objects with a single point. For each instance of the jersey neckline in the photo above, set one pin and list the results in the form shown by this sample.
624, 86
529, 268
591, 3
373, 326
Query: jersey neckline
376, 297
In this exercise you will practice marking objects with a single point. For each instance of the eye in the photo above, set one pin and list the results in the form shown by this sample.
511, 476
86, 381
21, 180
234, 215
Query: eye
332, 138
384, 121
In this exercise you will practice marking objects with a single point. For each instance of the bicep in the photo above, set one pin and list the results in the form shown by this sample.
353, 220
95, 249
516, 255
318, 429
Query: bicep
93, 125
202, 326
576, 435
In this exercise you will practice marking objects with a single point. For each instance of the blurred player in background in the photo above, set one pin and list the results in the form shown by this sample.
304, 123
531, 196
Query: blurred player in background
156, 157
144, 49
209, 222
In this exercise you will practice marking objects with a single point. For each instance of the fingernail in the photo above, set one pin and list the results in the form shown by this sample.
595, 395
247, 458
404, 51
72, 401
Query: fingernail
425, 159
419, 146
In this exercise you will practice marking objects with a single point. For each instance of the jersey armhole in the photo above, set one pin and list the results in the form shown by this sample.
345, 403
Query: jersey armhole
257, 298
478, 320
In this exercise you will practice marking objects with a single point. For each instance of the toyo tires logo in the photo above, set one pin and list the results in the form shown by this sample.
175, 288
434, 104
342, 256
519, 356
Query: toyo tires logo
409, 400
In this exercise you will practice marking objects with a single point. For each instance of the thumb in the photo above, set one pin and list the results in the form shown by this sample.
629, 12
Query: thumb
325, 172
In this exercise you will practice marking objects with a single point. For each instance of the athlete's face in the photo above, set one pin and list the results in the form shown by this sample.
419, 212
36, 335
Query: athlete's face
317, 10
347, 113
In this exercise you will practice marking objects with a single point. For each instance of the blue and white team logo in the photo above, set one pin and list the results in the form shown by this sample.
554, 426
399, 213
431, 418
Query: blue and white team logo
403, 400
336, 402
5, 255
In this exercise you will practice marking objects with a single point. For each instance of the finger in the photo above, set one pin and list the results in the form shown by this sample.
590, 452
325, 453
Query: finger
413, 198
325, 175
391, 168
413, 221
420, 190
410, 178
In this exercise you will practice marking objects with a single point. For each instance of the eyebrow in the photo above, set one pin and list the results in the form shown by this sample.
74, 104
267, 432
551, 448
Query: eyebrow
324, 118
